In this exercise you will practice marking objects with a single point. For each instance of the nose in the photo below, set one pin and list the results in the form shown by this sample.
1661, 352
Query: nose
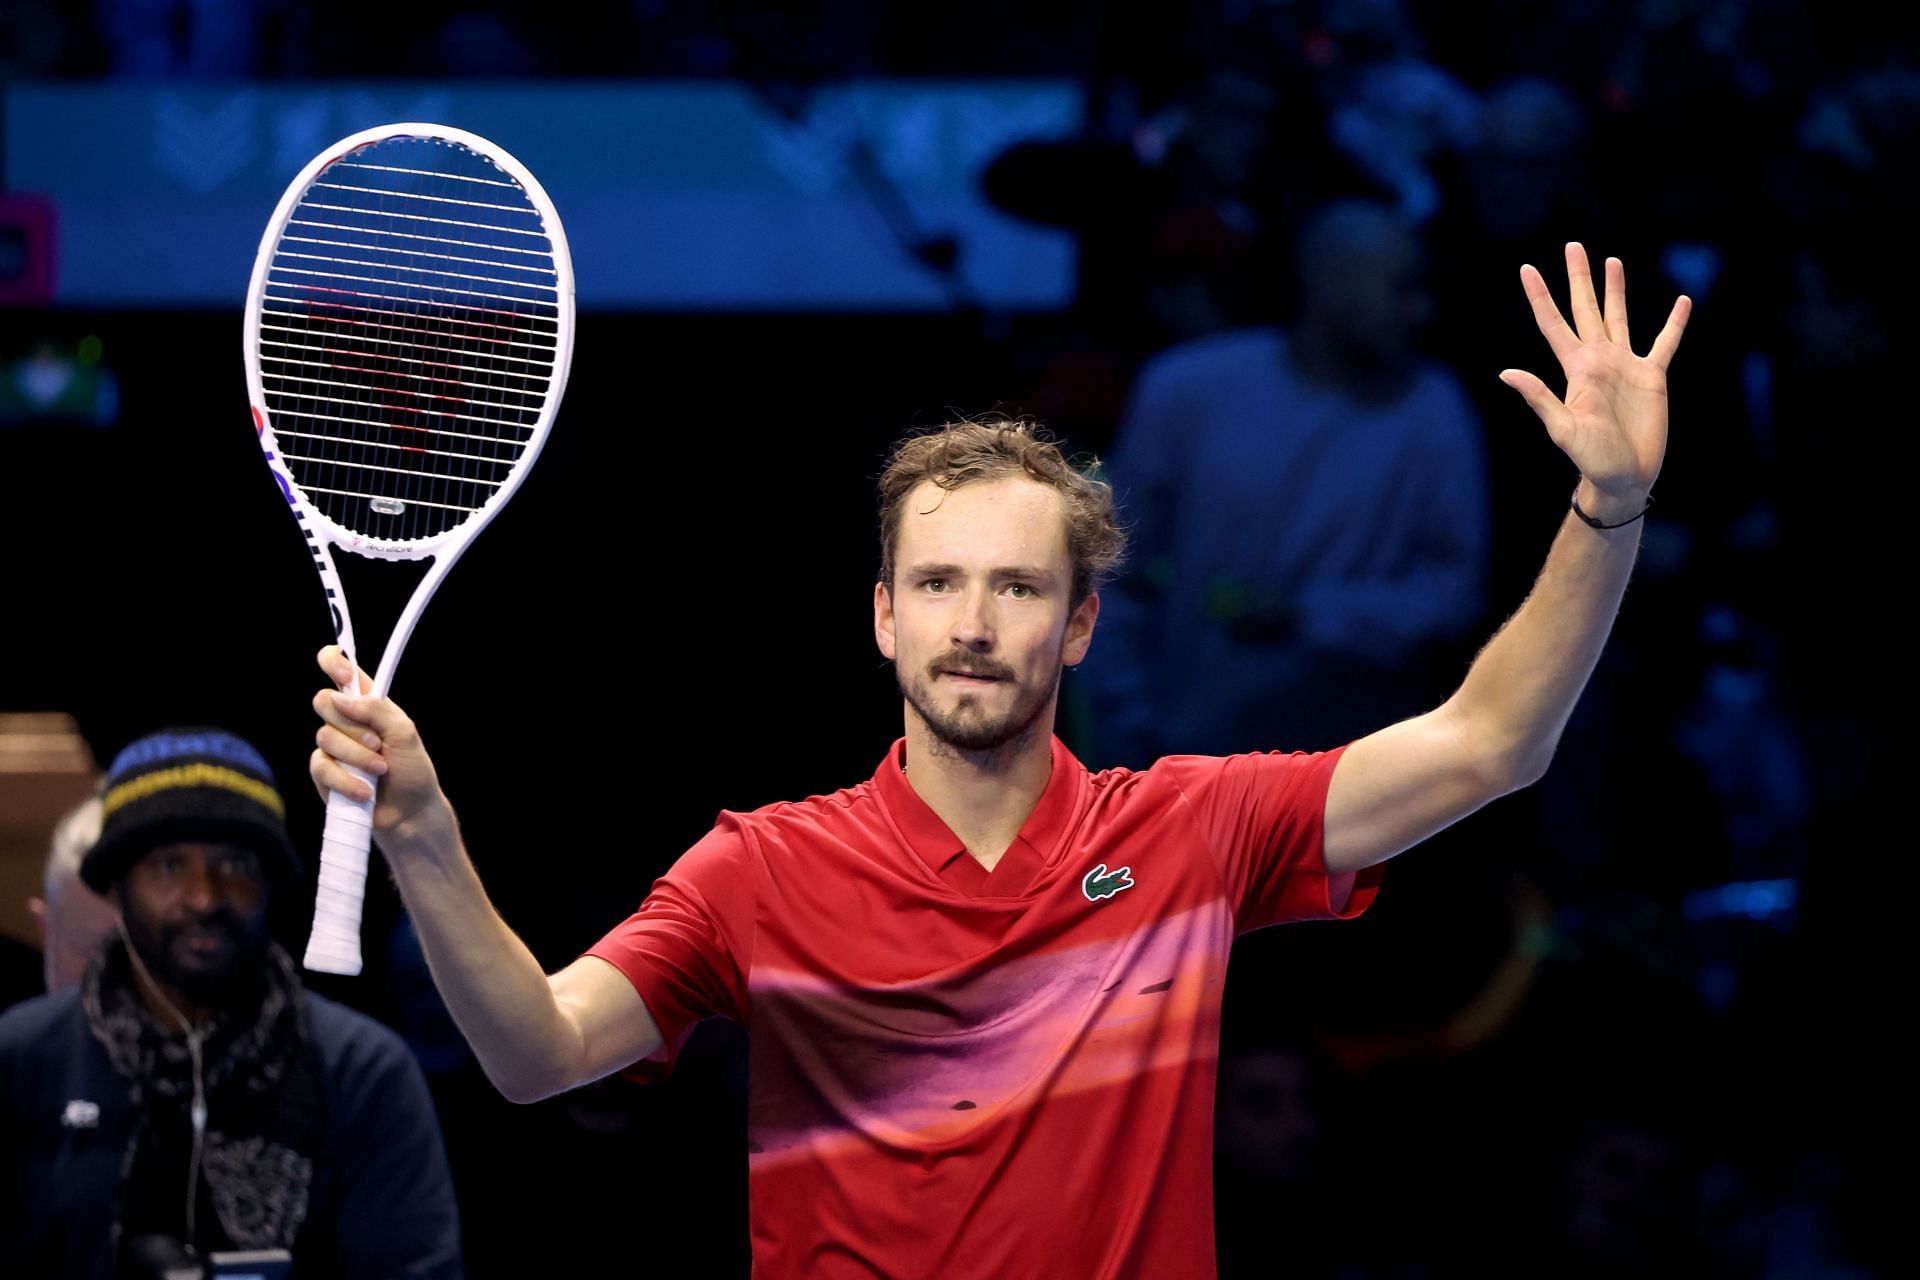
973, 624
198, 888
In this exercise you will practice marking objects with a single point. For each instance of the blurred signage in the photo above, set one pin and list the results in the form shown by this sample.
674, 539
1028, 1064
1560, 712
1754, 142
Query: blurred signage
677, 195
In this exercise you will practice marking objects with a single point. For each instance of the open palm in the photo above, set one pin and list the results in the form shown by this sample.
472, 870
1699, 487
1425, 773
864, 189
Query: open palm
1613, 422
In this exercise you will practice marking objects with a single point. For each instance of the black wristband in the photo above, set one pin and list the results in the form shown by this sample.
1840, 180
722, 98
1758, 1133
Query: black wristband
1596, 524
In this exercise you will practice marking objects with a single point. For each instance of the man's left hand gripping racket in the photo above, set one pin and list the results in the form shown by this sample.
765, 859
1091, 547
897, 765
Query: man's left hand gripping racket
409, 328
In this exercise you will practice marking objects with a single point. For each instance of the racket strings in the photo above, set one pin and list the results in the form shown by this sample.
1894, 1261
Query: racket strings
408, 336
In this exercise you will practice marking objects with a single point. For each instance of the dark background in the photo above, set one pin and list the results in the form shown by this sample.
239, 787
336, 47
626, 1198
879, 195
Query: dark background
673, 617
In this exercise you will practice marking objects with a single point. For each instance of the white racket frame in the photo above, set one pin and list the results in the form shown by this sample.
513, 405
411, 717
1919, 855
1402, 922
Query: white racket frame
340, 891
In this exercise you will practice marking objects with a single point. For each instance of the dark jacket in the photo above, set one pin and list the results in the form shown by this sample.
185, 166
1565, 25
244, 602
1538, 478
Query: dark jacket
381, 1197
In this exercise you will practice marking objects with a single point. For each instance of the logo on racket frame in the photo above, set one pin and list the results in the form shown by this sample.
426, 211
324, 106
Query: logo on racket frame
306, 530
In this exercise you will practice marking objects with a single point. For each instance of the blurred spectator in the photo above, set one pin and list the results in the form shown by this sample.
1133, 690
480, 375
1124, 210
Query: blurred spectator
192, 1095
73, 918
1310, 513
1623, 1205
1392, 112
1737, 733
1793, 1230
203, 38
1209, 153
1524, 166
499, 42
1523, 187
1269, 1183
1701, 63
1569, 42
1176, 214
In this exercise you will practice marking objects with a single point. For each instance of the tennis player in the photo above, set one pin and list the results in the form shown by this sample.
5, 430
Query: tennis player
982, 987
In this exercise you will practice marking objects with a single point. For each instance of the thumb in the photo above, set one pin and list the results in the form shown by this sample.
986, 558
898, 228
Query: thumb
1541, 400
333, 661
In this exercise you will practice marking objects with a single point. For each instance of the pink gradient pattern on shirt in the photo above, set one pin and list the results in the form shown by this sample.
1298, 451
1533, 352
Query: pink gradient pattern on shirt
930, 1065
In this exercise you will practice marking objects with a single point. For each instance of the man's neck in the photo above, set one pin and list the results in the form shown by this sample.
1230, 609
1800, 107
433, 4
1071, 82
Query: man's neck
166, 1002
983, 797
1319, 354
157, 996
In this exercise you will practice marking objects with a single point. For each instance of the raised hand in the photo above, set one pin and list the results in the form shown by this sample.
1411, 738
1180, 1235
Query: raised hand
1613, 422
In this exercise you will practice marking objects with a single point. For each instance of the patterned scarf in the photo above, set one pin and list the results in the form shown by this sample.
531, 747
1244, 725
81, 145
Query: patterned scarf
264, 1111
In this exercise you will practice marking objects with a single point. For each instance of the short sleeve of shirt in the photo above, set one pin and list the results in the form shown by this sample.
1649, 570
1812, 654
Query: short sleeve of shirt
688, 949
1263, 817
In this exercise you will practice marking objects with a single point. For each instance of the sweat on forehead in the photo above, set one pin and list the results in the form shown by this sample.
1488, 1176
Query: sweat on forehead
1001, 524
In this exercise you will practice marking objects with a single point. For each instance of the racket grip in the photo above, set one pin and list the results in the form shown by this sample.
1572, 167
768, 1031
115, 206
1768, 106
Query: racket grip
334, 945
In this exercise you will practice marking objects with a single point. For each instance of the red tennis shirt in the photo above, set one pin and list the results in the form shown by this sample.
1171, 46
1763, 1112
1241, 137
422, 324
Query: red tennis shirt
956, 1072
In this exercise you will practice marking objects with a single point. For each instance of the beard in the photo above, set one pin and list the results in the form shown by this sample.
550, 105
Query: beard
969, 726
164, 949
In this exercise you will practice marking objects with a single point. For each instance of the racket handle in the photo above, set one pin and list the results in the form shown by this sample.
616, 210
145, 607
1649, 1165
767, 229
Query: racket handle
334, 945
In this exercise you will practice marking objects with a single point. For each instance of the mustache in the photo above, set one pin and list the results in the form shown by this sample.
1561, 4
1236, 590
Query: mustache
221, 921
971, 664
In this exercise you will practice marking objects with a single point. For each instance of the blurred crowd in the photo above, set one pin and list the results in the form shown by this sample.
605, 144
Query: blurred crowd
1579, 1036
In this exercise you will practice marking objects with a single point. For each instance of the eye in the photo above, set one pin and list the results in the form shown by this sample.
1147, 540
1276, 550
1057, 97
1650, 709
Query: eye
1020, 591
935, 585
239, 862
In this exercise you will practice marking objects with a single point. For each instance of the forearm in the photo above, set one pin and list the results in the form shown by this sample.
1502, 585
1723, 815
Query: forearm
1520, 691
493, 986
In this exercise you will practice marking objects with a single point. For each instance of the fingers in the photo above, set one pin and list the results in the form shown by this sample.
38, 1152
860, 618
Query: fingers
341, 742
363, 738
1586, 307
1589, 325
1617, 303
328, 775
1540, 399
356, 731
1669, 340
362, 751
1553, 328
352, 716
339, 669
351, 713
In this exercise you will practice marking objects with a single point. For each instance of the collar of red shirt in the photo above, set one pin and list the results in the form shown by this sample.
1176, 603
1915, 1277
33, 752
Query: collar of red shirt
936, 845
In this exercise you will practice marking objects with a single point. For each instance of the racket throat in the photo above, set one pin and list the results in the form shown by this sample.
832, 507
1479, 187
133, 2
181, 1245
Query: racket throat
381, 589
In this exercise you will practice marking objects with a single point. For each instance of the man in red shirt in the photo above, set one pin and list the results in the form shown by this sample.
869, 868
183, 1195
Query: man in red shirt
982, 988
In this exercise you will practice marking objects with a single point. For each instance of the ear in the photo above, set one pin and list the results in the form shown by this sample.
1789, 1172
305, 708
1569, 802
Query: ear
883, 634
1080, 631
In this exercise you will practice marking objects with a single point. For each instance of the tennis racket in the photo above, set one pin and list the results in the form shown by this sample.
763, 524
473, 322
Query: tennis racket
409, 329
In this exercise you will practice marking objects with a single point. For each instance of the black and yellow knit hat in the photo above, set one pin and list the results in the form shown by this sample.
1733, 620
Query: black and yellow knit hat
189, 784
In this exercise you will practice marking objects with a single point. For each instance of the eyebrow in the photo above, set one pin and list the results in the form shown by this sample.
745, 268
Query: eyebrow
954, 571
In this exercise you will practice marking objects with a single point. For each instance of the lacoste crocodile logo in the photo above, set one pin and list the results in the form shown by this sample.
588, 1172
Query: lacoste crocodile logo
1099, 883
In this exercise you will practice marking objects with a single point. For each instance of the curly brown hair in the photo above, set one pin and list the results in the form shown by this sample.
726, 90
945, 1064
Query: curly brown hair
965, 451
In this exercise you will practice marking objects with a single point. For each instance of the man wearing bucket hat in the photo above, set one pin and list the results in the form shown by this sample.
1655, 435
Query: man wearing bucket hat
192, 1097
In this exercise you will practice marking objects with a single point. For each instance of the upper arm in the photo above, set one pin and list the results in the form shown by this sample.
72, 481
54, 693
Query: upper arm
615, 1029
1393, 789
